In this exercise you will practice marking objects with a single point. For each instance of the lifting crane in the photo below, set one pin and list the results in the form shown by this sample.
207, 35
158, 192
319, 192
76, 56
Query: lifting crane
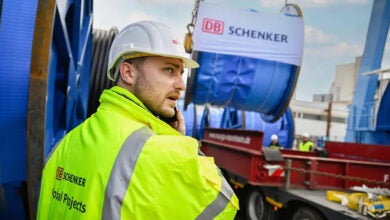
369, 121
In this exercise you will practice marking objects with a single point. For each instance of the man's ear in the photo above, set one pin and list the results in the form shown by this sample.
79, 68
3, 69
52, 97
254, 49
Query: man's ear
126, 72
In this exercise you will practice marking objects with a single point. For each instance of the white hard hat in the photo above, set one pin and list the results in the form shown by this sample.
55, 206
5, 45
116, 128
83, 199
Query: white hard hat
145, 38
306, 135
274, 137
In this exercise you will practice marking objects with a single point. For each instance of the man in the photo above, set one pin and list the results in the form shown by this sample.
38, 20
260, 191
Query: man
305, 144
275, 142
124, 162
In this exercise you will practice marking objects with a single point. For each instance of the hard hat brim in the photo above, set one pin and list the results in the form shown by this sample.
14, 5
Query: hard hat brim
187, 62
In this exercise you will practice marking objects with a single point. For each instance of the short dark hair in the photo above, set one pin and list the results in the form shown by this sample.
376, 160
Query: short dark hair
136, 61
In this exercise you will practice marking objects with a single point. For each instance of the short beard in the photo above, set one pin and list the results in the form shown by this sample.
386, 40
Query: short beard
140, 86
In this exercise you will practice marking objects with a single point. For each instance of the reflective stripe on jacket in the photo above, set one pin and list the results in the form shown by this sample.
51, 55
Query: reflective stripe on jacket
141, 168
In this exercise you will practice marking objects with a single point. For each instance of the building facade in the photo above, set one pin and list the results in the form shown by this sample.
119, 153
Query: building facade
325, 117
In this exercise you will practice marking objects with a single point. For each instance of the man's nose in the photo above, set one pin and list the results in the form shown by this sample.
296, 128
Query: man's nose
179, 84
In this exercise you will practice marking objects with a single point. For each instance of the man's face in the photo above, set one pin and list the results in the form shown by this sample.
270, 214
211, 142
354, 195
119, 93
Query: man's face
159, 83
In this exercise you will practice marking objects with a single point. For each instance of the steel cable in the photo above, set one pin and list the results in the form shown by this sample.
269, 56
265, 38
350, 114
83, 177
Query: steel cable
102, 40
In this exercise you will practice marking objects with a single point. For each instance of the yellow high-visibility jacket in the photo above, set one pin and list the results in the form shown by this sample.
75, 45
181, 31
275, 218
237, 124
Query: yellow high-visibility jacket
124, 163
307, 146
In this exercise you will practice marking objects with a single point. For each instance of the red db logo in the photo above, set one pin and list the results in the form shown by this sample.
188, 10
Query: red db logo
60, 171
212, 26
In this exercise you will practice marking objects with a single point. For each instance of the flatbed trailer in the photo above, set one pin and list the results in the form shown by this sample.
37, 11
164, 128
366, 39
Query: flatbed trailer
290, 184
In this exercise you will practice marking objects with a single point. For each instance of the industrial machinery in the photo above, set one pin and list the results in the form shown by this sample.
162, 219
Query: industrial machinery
45, 65
288, 184
369, 120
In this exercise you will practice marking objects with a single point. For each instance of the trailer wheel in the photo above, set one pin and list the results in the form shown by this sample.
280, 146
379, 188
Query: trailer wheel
255, 205
306, 213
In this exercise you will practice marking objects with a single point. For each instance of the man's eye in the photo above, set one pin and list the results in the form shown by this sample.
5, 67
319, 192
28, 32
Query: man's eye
169, 69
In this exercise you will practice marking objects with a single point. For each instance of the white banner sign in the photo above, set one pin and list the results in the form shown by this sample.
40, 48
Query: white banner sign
233, 31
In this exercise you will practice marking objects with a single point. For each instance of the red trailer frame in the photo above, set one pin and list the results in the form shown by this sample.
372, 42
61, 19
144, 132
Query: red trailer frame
240, 154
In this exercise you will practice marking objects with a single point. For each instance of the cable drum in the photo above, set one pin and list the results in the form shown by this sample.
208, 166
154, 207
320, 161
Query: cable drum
246, 61
102, 40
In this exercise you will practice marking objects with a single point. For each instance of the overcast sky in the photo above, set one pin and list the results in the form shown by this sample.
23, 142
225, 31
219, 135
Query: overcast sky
335, 30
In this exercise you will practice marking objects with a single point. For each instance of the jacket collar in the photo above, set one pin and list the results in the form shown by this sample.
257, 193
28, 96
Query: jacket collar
127, 103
